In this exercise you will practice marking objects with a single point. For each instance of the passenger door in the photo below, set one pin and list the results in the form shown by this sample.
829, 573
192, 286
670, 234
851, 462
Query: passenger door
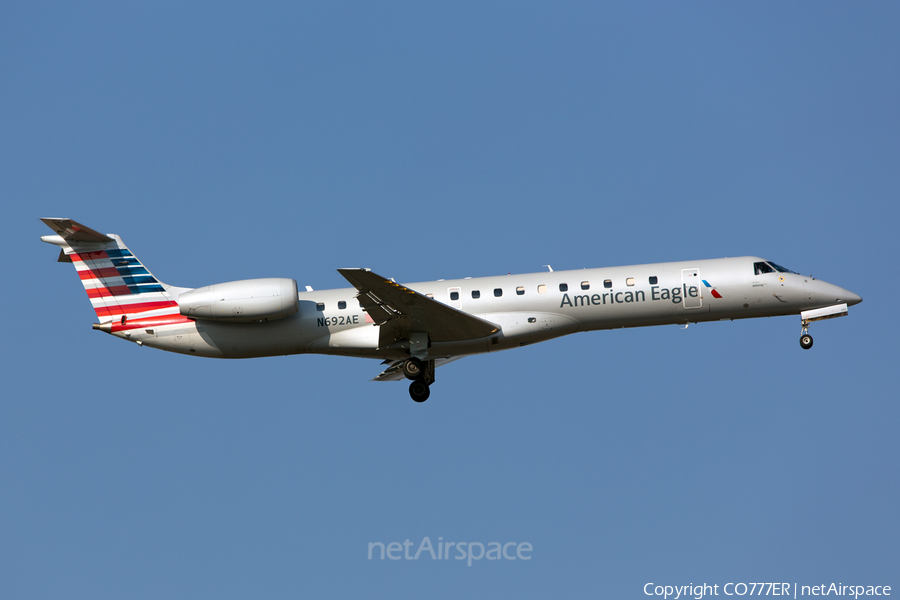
690, 281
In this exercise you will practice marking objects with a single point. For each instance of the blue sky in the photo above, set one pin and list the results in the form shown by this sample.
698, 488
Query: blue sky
229, 141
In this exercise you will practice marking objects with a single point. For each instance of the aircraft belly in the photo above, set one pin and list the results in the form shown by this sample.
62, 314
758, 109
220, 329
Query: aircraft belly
522, 328
448, 349
183, 339
692, 315
629, 315
219, 339
357, 341
517, 329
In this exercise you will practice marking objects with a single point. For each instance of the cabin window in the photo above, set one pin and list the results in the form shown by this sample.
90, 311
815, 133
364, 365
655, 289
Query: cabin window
320, 306
542, 289
761, 268
608, 283
498, 292
629, 281
654, 280
342, 305
564, 287
454, 295
520, 291
476, 294
585, 285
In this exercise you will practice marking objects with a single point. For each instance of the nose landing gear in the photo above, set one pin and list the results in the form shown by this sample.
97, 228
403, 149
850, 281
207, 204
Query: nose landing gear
422, 376
818, 314
806, 340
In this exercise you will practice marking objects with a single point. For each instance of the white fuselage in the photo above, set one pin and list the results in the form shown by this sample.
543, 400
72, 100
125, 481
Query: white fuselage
528, 308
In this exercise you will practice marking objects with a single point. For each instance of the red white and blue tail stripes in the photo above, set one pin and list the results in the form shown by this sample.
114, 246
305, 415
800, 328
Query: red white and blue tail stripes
118, 284
122, 291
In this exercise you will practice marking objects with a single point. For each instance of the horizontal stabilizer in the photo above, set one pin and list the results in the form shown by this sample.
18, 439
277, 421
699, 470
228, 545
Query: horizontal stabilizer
73, 231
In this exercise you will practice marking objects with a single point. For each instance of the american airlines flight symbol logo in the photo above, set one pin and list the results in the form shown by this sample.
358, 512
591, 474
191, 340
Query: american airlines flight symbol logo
712, 291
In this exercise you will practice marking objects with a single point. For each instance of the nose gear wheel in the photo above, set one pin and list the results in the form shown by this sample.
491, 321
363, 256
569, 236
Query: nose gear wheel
806, 341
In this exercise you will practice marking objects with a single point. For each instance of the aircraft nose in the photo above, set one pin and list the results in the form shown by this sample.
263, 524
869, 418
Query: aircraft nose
852, 298
830, 292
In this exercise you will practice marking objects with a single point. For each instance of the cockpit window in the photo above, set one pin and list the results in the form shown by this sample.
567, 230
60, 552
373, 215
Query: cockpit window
781, 269
770, 267
761, 267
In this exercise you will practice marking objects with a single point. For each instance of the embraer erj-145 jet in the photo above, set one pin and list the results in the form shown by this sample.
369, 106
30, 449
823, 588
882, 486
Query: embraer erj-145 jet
415, 327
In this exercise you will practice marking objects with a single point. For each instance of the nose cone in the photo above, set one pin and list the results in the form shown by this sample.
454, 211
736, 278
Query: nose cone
833, 294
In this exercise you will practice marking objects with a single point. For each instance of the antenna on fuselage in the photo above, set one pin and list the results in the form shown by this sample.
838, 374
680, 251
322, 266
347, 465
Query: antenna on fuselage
549, 267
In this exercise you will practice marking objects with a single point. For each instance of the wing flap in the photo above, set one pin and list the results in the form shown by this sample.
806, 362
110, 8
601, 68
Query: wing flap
395, 371
411, 311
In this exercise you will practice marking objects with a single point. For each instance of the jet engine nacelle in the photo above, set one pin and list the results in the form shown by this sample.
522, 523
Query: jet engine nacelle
246, 300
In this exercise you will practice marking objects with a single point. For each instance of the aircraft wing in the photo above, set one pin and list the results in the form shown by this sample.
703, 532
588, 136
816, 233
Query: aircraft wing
409, 311
395, 371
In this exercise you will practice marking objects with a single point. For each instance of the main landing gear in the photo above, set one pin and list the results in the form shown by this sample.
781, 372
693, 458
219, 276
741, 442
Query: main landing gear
806, 340
413, 369
419, 390
422, 376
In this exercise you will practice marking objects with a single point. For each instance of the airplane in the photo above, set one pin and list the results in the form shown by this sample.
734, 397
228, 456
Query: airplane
414, 328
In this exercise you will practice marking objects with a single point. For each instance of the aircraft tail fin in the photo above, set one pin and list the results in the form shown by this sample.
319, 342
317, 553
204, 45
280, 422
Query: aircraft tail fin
118, 284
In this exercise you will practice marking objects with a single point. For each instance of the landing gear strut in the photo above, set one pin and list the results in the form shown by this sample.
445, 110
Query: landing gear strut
422, 376
806, 340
